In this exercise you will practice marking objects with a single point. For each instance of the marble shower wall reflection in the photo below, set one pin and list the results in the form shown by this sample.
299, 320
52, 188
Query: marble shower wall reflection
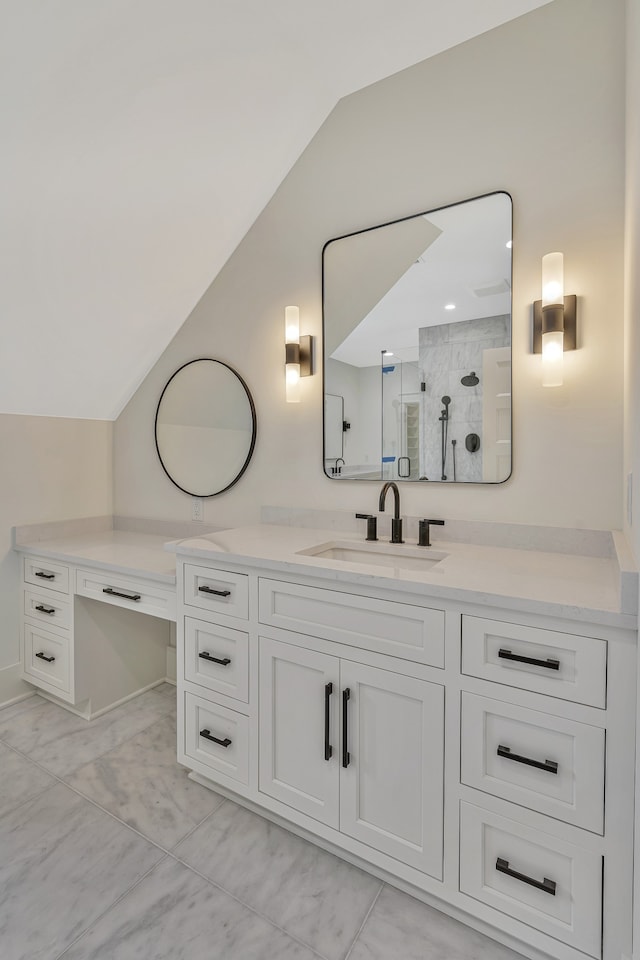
447, 353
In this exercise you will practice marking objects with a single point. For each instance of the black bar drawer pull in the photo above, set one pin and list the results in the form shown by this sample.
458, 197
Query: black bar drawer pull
43, 609
547, 886
328, 749
224, 661
346, 756
43, 656
209, 736
549, 663
45, 576
550, 766
217, 593
118, 593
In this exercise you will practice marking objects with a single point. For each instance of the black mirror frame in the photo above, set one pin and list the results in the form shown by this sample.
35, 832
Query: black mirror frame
254, 429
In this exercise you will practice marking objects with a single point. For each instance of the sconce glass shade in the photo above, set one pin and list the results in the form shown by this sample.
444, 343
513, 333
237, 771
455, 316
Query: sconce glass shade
552, 280
552, 358
292, 364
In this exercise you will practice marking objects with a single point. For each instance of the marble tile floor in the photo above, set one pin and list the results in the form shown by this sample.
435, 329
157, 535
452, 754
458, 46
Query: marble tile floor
109, 852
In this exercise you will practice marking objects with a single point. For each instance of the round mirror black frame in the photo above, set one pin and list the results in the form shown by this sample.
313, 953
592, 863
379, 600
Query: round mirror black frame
206, 496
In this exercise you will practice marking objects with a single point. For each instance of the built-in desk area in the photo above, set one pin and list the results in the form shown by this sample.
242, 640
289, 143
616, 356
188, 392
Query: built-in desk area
97, 609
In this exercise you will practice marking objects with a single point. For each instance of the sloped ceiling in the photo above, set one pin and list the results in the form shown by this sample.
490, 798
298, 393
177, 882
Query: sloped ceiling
141, 139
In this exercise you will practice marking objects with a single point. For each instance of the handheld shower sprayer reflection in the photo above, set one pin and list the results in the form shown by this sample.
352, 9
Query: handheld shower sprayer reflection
444, 425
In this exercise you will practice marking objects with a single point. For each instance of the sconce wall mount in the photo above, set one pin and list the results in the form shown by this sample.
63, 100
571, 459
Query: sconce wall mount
554, 318
298, 360
301, 353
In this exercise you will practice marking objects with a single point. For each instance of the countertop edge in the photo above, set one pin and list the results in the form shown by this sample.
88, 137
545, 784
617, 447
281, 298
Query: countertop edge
79, 560
431, 591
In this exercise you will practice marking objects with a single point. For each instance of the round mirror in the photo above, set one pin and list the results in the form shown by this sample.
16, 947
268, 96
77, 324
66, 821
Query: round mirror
205, 427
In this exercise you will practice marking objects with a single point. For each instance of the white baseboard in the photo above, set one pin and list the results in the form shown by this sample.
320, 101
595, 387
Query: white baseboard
12, 687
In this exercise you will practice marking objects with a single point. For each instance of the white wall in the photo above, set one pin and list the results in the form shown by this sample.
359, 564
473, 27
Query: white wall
535, 107
52, 469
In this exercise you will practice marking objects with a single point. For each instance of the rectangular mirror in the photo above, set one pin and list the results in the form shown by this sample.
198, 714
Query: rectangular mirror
417, 347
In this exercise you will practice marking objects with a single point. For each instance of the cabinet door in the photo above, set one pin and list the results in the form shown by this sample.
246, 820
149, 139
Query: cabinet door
298, 695
391, 791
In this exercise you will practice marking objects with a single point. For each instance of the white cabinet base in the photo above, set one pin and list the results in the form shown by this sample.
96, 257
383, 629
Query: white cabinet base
537, 751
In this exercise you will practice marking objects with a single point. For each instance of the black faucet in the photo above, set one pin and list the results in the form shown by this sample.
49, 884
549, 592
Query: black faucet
396, 523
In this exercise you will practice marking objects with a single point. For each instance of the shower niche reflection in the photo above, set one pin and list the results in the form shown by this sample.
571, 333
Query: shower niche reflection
417, 347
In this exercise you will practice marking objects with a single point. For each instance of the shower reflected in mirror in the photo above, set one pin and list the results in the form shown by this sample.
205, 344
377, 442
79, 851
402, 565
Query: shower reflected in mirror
415, 311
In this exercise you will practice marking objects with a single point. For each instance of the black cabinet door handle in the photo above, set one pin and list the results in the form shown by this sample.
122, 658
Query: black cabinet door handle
549, 663
346, 756
43, 609
546, 885
45, 576
224, 661
217, 593
550, 766
209, 736
118, 593
328, 749
43, 656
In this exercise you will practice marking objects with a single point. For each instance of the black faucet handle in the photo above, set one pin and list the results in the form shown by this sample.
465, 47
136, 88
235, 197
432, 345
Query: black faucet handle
372, 524
423, 531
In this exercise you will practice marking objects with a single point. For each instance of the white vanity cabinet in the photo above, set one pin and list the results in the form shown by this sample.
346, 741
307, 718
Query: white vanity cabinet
480, 758
358, 748
91, 655
46, 627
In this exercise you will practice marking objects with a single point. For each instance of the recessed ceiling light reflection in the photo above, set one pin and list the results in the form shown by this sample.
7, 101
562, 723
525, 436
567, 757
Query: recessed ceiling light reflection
449, 306
509, 244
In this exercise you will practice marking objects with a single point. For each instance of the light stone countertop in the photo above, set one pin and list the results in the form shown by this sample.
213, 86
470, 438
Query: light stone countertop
121, 551
584, 589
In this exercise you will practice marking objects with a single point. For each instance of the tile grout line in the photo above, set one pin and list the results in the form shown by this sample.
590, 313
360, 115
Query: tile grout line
362, 925
93, 803
100, 756
199, 824
124, 894
166, 853
248, 906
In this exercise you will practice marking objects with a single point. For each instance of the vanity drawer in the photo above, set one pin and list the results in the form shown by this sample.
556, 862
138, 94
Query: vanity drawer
549, 764
47, 660
217, 590
228, 753
545, 882
46, 607
46, 573
217, 657
544, 661
147, 596
399, 629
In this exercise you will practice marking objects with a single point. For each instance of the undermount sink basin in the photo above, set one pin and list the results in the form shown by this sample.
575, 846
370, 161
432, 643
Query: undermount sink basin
395, 555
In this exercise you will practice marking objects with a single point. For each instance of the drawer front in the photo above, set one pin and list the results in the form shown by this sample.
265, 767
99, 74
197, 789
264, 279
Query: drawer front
133, 594
398, 629
217, 657
534, 877
546, 763
46, 658
217, 737
46, 573
217, 590
46, 607
545, 661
